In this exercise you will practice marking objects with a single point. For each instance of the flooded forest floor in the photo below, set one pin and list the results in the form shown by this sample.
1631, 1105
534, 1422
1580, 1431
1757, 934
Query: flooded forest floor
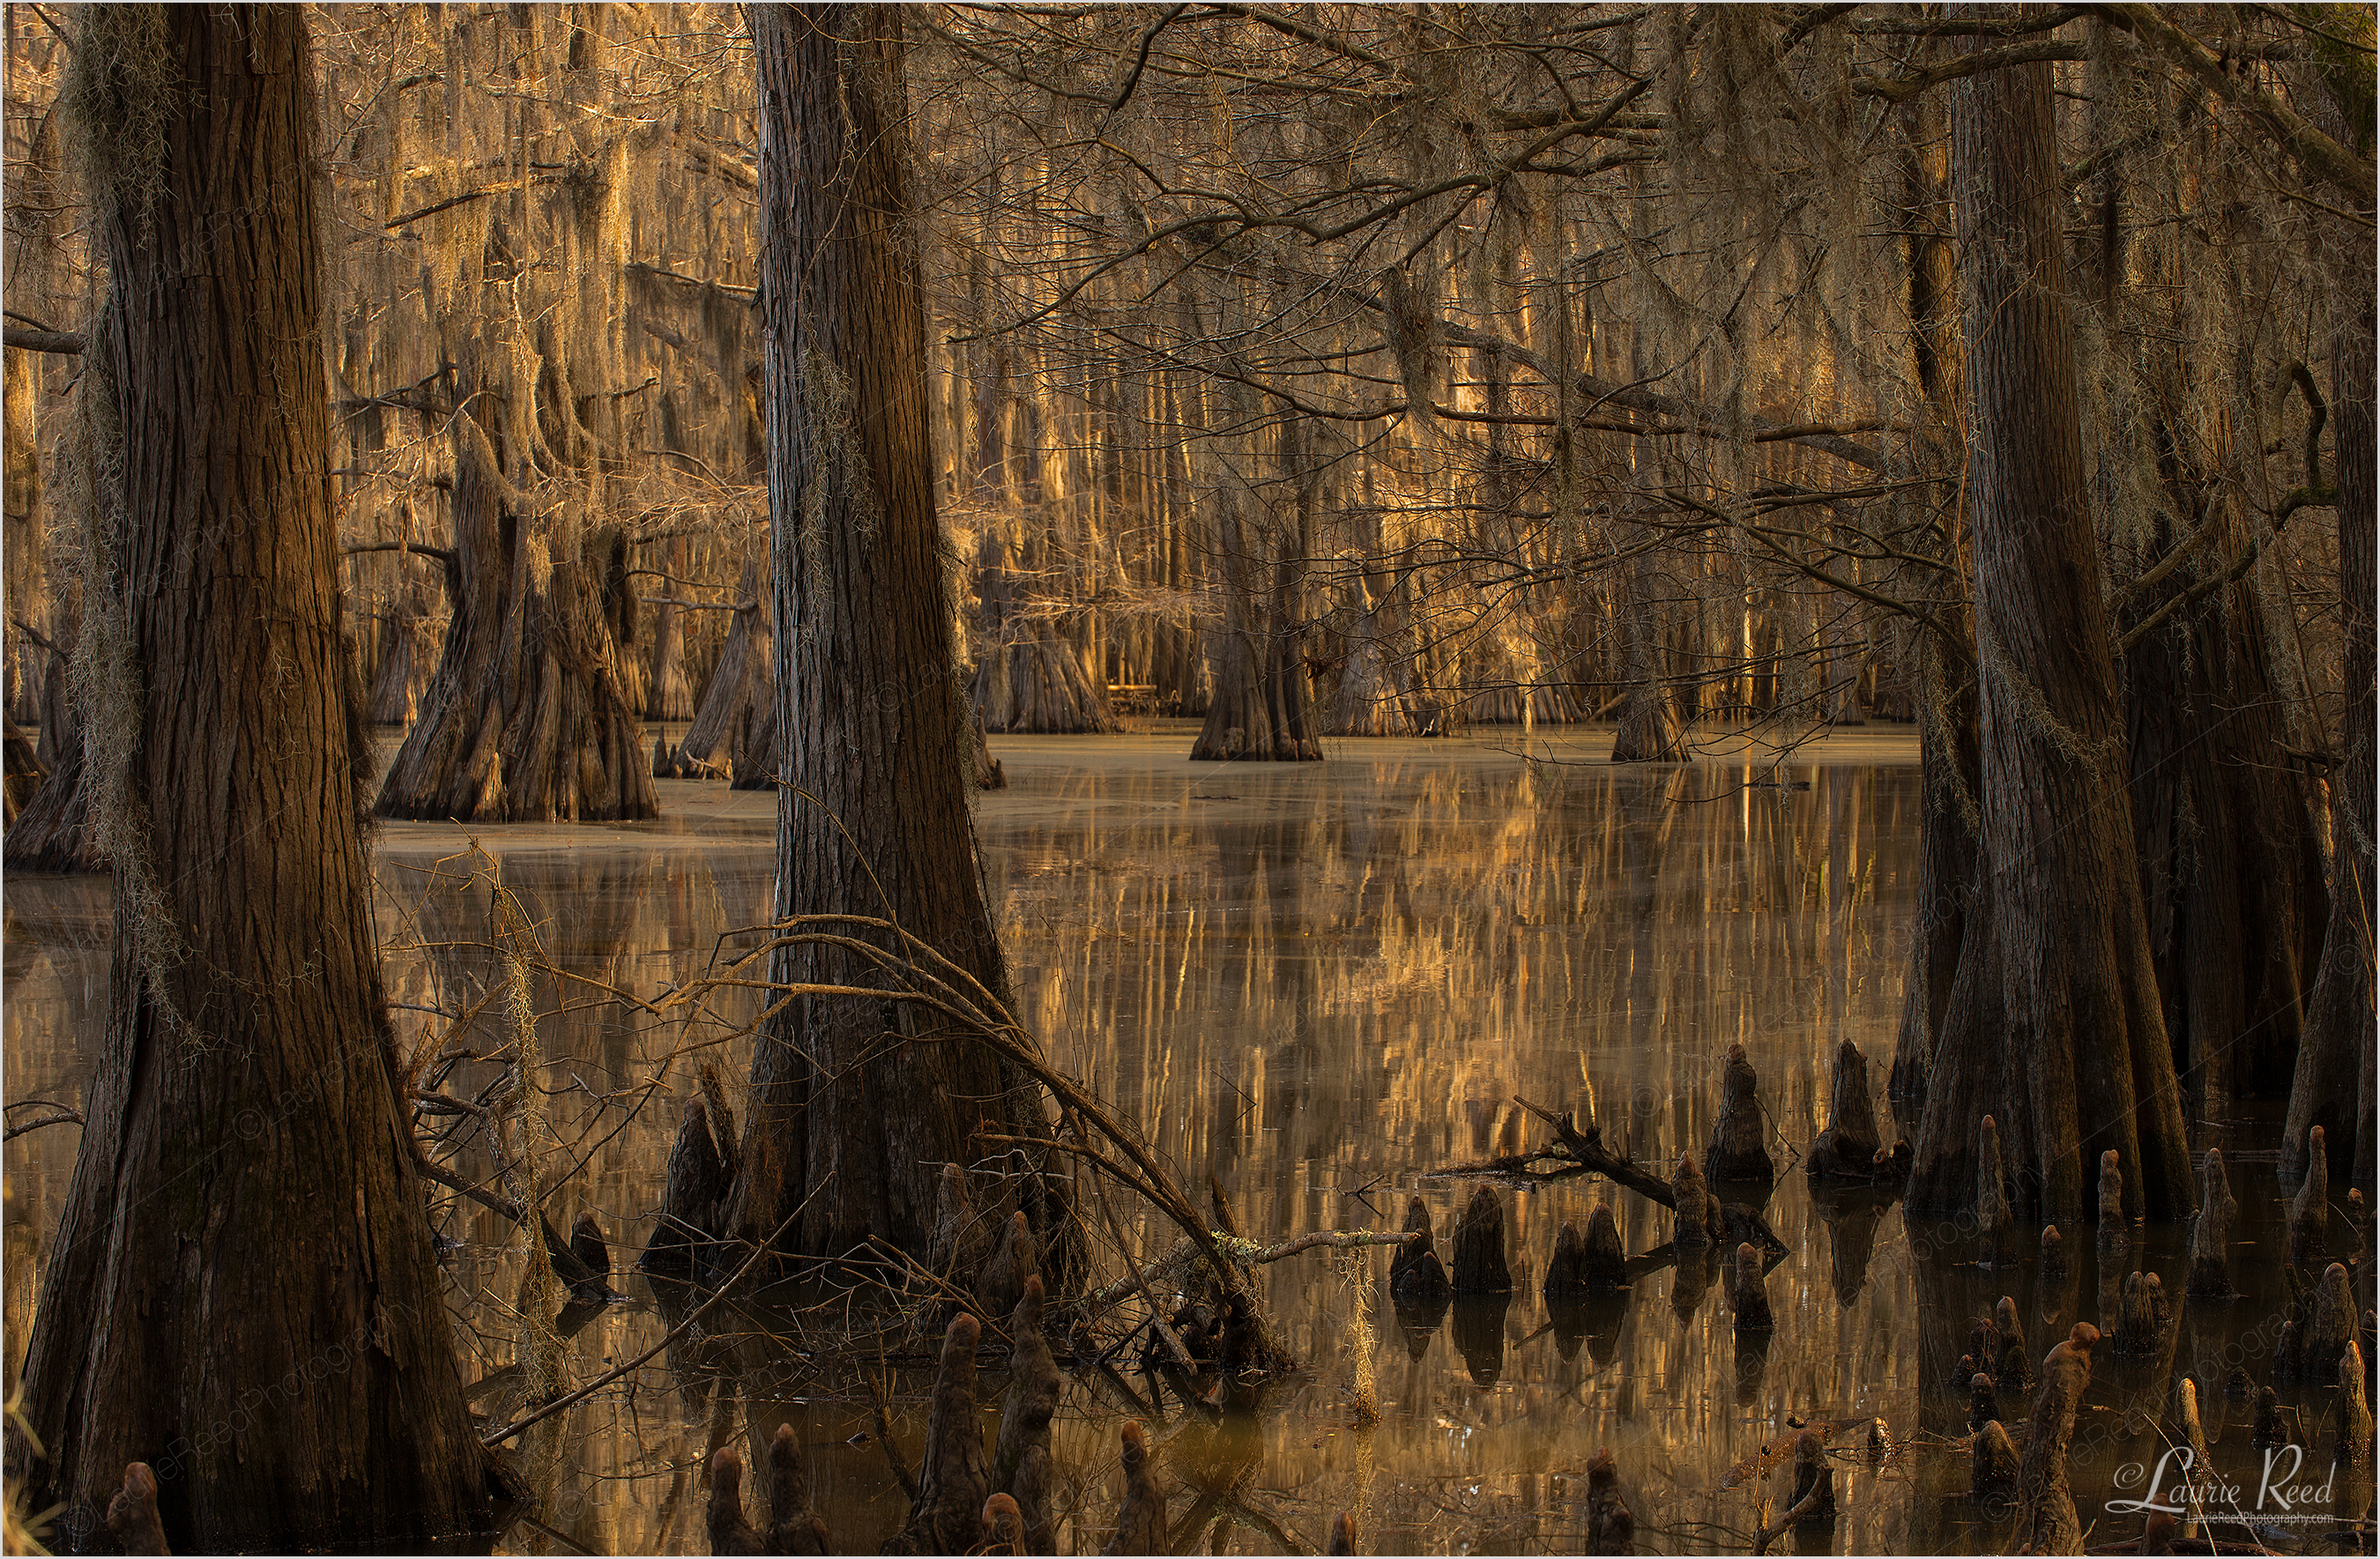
1315, 982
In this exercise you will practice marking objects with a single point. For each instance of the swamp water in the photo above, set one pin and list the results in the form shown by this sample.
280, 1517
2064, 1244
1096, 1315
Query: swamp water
1317, 982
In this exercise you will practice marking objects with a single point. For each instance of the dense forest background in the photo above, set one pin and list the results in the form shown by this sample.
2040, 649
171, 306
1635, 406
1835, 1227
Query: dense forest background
1380, 372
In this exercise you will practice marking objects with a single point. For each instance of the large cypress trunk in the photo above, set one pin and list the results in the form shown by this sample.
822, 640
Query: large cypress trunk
2231, 872
2334, 1083
2058, 1032
527, 718
1263, 706
857, 1103
241, 1291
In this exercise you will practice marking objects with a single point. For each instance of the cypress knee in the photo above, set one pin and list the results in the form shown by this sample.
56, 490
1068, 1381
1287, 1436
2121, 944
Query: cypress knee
1813, 1479
2268, 1431
2210, 1236
2053, 1253
1479, 1264
1693, 1231
1342, 1534
2354, 1411
690, 1199
1750, 1293
1004, 1527
1849, 1147
2332, 1325
794, 1527
1739, 1149
1606, 1259
1610, 1528
1020, 1461
952, 1483
2015, 1368
724, 1517
2045, 1518
2193, 1434
1983, 1400
1415, 1272
1016, 1261
1566, 1280
132, 1513
1995, 1466
1140, 1519
959, 1246
2113, 1224
1993, 1213
2309, 1214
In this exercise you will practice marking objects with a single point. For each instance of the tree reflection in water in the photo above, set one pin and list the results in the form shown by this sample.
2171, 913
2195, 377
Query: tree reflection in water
1315, 980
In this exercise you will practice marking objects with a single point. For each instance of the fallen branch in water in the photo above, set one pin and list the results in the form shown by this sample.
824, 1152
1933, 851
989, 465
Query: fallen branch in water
497, 1437
1246, 1252
1580, 1150
1576, 1150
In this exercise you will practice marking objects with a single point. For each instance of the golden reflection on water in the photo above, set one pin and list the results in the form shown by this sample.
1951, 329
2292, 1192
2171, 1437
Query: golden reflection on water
1315, 981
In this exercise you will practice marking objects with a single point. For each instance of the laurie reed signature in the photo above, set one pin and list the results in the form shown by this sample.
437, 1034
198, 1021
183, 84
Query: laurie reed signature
2280, 1496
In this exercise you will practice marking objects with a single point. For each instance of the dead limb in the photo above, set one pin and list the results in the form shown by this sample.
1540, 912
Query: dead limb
1246, 1253
1580, 1150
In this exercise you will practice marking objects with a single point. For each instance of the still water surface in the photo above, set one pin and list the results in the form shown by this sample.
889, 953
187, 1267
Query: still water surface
1317, 982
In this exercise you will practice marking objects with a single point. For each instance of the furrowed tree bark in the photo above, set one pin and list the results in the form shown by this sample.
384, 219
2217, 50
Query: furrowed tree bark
2078, 1059
527, 720
856, 1103
2334, 1081
241, 1291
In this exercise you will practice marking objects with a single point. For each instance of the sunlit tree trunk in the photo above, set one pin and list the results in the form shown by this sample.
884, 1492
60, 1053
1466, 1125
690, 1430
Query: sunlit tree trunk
856, 1103
242, 1290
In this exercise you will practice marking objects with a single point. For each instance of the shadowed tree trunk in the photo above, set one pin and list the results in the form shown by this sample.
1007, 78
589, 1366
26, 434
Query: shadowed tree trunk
2334, 1083
2054, 1025
856, 1103
241, 1291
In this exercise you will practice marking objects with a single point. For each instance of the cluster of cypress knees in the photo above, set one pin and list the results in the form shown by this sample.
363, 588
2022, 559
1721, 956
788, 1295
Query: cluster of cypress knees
2320, 1340
961, 1502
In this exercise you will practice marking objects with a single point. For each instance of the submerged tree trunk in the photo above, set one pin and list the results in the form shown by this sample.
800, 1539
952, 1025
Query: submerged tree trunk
1030, 677
1648, 730
2232, 871
405, 665
736, 697
667, 695
527, 720
856, 1103
2334, 1072
2054, 1025
1263, 706
241, 1291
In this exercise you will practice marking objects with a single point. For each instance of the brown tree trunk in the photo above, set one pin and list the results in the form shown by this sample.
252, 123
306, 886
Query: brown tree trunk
241, 1291
667, 695
2078, 1060
1648, 731
2232, 871
1263, 705
527, 720
405, 667
2334, 1083
856, 1103
736, 696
